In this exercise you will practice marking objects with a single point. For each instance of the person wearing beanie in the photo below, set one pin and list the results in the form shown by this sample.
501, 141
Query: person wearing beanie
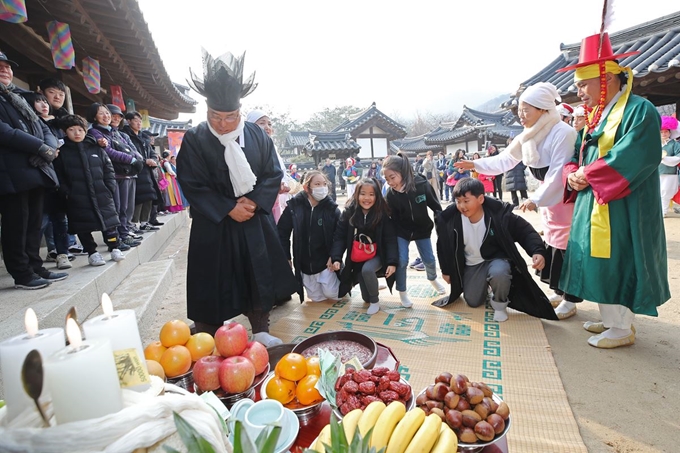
566, 112
670, 158
545, 145
230, 174
616, 255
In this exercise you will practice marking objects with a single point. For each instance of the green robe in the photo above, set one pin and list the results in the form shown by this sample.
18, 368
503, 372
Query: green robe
636, 274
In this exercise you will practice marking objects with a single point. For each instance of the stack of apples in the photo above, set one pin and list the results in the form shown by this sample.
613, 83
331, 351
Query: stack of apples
235, 363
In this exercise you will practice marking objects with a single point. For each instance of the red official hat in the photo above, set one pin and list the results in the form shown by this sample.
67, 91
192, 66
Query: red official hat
591, 53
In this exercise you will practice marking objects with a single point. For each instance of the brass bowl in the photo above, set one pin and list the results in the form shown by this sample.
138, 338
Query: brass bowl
342, 335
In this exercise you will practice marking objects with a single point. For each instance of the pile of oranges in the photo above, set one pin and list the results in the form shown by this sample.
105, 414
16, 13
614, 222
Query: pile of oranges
177, 349
294, 380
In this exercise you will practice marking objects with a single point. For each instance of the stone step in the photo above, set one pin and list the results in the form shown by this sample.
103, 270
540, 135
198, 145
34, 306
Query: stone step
84, 286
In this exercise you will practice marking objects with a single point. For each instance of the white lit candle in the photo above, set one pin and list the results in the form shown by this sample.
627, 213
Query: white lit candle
82, 378
119, 326
12, 354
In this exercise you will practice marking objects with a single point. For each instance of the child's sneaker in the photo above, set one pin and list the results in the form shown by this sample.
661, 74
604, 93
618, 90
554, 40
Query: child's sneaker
117, 255
51, 256
416, 262
63, 262
96, 259
419, 267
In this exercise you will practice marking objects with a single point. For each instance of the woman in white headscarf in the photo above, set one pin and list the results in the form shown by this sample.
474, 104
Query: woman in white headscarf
262, 119
545, 146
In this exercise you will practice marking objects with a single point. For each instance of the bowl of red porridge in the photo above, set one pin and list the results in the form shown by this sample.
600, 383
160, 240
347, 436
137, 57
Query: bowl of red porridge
343, 344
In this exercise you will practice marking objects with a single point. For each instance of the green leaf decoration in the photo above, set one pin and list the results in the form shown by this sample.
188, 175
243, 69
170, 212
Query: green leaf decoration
330, 366
194, 442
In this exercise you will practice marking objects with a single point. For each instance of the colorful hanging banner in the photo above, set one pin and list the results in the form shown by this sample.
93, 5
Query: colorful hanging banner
146, 123
91, 75
63, 55
130, 104
13, 11
175, 141
117, 96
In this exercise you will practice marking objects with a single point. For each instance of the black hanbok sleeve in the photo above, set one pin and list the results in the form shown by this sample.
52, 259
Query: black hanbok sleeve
285, 227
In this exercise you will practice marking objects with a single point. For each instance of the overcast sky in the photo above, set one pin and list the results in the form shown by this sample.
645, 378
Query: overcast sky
424, 55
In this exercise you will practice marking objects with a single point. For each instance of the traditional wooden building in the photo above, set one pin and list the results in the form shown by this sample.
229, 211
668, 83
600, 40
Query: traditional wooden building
474, 130
656, 68
332, 145
413, 146
111, 31
373, 131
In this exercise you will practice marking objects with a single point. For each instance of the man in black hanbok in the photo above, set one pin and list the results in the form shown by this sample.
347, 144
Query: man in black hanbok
230, 174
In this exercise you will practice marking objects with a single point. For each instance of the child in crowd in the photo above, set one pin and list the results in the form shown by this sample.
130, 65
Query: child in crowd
476, 249
312, 216
366, 213
88, 183
409, 197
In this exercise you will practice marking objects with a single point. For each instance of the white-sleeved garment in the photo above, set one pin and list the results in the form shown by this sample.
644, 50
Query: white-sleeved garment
554, 152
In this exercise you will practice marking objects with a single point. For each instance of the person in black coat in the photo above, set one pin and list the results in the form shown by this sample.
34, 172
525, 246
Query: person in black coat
27, 149
476, 245
331, 173
146, 191
367, 214
516, 181
312, 215
88, 184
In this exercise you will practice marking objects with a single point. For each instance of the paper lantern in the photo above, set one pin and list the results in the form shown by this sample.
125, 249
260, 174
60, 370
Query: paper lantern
13, 11
63, 55
91, 75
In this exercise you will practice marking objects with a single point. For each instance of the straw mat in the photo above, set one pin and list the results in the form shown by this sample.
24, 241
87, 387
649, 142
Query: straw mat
513, 358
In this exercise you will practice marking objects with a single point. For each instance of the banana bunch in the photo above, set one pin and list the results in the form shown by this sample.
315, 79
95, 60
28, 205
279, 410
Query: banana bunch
395, 430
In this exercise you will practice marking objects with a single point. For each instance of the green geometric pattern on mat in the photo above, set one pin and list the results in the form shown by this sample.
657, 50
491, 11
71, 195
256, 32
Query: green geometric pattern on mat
513, 358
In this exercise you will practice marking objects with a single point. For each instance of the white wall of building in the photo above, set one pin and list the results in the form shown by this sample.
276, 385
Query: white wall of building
379, 147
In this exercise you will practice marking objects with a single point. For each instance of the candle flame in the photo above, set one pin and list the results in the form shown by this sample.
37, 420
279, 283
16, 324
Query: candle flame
31, 322
73, 333
107, 305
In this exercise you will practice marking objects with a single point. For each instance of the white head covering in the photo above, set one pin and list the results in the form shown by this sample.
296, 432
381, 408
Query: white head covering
255, 115
541, 95
579, 111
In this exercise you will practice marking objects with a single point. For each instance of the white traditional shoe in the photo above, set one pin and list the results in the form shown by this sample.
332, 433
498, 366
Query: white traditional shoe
555, 299
601, 342
598, 327
565, 310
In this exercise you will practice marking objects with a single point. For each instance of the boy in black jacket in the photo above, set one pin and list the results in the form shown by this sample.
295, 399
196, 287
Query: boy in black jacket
476, 248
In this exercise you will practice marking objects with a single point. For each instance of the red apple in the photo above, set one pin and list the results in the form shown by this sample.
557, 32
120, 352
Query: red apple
237, 374
231, 339
257, 353
207, 372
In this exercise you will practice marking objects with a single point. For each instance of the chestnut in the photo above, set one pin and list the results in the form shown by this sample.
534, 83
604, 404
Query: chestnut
438, 411
467, 435
451, 400
444, 377
459, 384
503, 410
482, 410
474, 395
484, 431
484, 388
439, 391
429, 392
454, 419
421, 399
497, 422
491, 404
463, 405
431, 404
470, 418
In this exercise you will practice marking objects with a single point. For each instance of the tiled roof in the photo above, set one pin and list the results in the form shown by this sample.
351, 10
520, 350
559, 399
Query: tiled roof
330, 142
415, 145
473, 122
362, 120
160, 126
296, 139
659, 44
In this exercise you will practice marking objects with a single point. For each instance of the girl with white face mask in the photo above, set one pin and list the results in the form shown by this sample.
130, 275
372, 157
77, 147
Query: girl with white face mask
311, 215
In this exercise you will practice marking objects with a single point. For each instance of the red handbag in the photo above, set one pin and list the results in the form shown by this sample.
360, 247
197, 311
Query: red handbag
363, 248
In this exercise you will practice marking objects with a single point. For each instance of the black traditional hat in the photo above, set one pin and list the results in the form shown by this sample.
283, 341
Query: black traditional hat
222, 83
